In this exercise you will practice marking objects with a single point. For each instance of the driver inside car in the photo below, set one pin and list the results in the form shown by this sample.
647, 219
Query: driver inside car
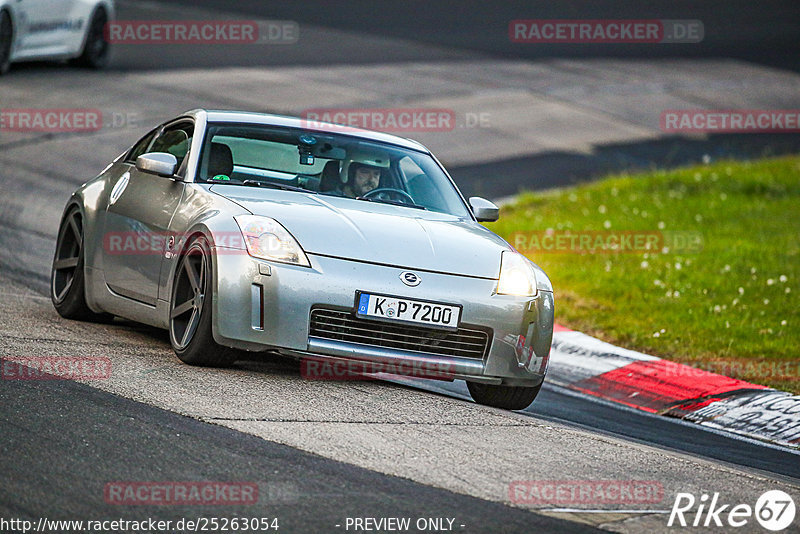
362, 179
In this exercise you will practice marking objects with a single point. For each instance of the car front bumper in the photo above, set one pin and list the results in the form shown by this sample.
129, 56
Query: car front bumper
259, 305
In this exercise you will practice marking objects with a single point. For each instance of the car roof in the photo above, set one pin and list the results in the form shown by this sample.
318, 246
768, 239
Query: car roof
267, 119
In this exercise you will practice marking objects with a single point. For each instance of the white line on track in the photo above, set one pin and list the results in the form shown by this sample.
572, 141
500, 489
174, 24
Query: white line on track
610, 511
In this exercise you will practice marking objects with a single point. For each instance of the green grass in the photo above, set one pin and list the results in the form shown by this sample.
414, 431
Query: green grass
730, 307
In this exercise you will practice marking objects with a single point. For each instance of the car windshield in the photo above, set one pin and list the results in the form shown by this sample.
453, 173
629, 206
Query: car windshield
326, 164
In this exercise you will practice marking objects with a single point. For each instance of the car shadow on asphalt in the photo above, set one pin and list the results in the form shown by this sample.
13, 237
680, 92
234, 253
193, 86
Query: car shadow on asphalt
267, 362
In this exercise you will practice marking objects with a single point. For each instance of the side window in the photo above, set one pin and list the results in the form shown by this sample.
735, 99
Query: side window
175, 140
140, 147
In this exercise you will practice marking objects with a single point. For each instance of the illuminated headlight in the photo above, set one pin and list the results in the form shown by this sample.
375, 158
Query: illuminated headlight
266, 239
517, 276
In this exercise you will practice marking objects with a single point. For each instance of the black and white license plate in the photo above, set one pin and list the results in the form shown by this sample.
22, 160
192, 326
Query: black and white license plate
408, 311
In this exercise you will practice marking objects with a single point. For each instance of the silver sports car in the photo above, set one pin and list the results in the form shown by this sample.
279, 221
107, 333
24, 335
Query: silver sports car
348, 249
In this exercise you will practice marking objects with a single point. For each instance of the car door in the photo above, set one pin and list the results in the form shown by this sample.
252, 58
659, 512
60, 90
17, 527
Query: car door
44, 26
140, 208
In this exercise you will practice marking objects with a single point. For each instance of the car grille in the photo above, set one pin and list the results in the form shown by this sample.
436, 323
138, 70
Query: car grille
343, 326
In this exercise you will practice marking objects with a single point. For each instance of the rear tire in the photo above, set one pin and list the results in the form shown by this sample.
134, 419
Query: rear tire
95, 49
190, 316
6, 38
67, 283
505, 397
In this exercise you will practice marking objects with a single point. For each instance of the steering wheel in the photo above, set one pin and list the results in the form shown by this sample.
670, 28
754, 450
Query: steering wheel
389, 193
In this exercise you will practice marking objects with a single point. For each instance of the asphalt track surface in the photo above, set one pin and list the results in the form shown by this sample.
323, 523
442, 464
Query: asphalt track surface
763, 32
320, 451
76, 439
563, 406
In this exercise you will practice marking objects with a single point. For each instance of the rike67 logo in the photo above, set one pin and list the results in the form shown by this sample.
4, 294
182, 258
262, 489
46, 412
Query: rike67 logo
774, 510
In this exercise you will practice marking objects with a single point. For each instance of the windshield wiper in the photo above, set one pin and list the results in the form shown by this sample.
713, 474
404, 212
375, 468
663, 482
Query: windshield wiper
276, 185
393, 203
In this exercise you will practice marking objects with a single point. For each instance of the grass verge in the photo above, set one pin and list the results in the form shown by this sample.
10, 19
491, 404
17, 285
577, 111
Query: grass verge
716, 289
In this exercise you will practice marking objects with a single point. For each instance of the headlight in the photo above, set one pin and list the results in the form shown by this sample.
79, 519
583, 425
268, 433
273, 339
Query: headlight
517, 276
265, 238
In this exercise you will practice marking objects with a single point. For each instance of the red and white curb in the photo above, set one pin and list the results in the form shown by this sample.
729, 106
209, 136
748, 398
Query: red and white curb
585, 364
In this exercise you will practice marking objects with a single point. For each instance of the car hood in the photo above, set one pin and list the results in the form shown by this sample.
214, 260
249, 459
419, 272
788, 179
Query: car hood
377, 233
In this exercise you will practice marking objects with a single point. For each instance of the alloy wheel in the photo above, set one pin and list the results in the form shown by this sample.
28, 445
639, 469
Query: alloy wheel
188, 296
68, 250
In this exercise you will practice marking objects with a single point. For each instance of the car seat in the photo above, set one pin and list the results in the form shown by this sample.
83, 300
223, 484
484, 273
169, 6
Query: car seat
220, 160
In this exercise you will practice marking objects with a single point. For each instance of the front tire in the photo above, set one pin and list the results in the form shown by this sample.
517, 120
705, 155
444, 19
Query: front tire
6, 38
505, 397
190, 315
67, 283
95, 50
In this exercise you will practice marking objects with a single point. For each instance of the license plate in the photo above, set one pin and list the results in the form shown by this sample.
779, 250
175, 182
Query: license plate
408, 311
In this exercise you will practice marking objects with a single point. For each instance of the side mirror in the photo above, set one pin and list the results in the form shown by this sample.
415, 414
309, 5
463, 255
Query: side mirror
159, 163
484, 210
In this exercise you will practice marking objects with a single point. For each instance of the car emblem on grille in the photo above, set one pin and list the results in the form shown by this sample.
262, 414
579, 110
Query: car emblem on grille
410, 279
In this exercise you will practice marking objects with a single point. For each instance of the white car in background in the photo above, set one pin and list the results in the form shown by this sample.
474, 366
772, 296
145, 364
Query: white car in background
53, 30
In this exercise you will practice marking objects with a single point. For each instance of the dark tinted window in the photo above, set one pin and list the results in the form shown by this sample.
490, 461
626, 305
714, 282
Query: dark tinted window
140, 147
175, 140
